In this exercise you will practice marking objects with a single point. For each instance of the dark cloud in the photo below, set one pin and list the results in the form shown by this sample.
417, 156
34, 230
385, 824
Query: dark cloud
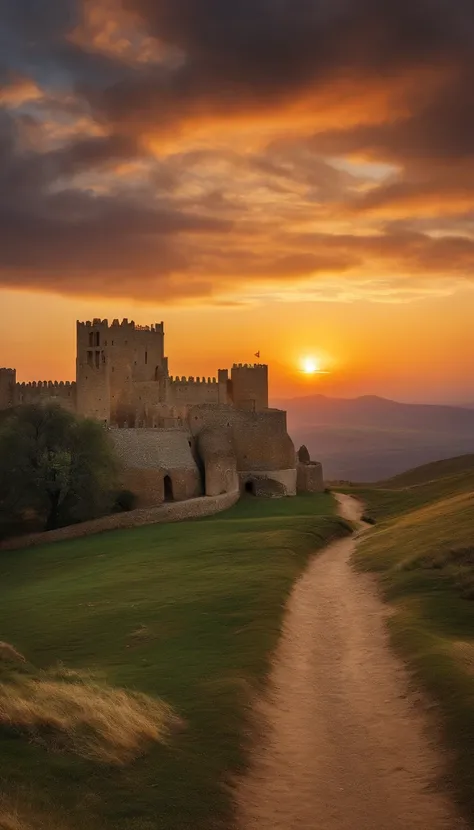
113, 162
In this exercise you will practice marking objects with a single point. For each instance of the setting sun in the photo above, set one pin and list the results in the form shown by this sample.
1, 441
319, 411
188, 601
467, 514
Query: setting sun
311, 366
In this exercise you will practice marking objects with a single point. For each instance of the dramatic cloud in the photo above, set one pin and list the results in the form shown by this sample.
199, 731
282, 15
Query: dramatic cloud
229, 149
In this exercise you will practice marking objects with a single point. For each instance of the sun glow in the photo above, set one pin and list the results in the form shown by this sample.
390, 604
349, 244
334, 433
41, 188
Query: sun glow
311, 366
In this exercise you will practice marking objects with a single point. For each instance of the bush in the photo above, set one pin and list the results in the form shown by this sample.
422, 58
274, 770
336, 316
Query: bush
124, 501
368, 519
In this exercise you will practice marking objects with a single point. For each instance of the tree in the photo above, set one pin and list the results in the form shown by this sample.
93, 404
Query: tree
303, 455
53, 466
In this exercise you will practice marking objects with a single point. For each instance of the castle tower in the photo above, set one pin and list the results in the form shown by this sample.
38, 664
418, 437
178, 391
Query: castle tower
7, 388
117, 366
249, 386
92, 370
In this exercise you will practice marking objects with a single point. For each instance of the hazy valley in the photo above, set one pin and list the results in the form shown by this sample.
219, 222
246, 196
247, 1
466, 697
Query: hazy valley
371, 438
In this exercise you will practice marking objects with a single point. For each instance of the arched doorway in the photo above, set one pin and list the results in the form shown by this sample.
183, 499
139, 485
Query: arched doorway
168, 488
250, 487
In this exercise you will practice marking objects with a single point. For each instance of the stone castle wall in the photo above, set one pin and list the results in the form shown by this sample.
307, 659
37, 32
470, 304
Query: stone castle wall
173, 512
286, 479
122, 379
47, 392
148, 456
249, 385
192, 391
310, 477
260, 439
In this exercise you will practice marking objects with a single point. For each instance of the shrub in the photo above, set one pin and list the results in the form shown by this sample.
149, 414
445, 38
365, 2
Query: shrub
124, 501
368, 519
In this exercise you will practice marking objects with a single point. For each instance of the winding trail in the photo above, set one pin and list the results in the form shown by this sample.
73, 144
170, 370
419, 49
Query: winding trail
346, 742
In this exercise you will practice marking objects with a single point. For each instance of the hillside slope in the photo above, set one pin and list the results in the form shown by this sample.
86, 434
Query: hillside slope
184, 614
422, 551
418, 487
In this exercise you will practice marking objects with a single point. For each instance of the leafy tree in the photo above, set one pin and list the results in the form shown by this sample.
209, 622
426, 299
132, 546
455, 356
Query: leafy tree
303, 455
54, 466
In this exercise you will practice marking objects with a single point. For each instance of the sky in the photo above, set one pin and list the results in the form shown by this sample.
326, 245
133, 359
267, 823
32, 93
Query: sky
294, 177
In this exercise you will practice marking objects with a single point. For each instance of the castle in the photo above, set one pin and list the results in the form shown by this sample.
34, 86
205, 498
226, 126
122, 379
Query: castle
176, 437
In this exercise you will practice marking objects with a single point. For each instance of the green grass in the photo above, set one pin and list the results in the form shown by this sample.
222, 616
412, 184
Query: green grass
423, 554
188, 613
416, 488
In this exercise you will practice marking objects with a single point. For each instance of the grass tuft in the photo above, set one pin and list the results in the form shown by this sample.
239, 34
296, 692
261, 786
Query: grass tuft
19, 815
72, 711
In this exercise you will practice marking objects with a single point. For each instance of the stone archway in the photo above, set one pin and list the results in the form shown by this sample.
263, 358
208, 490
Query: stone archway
168, 488
250, 487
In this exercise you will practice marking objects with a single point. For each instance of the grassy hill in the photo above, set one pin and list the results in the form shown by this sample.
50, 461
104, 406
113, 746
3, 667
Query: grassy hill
417, 487
422, 550
143, 649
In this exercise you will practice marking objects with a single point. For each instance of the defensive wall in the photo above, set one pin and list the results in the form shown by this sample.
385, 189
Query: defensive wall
260, 439
47, 391
310, 477
261, 446
166, 513
157, 465
122, 379
195, 391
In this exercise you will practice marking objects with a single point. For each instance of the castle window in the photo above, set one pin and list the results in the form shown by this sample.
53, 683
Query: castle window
146, 358
91, 338
97, 338
97, 360
89, 358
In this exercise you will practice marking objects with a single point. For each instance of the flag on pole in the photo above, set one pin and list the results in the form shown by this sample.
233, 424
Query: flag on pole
257, 354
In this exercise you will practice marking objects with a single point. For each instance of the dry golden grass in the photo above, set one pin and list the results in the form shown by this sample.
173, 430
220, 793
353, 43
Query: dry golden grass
24, 817
11, 820
67, 710
7, 652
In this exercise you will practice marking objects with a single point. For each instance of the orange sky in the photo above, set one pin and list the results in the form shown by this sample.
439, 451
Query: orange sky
294, 177
420, 351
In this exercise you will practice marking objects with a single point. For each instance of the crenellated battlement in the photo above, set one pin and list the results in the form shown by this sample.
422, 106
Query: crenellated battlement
156, 328
184, 380
122, 376
47, 384
252, 366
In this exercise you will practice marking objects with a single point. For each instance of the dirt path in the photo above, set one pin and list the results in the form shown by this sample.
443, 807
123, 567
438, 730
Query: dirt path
346, 745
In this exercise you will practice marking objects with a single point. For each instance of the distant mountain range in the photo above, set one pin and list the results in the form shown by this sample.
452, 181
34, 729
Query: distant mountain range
371, 438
